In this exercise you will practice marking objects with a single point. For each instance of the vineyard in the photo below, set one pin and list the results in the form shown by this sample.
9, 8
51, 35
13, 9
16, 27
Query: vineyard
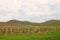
12, 28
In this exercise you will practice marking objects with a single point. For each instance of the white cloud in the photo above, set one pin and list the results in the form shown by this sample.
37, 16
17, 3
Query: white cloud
11, 5
8, 16
30, 8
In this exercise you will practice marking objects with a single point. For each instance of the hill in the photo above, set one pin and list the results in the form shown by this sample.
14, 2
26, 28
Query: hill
47, 23
52, 23
15, 27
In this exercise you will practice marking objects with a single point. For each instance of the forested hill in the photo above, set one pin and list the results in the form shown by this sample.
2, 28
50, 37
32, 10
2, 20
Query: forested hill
16, 22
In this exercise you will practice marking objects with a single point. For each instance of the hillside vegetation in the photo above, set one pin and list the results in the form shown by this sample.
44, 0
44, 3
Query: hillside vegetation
15, 27
23, 30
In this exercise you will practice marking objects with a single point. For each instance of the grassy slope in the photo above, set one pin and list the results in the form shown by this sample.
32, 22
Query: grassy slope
55, 35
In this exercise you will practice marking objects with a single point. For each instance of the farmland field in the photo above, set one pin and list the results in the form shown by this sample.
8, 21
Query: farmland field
16, 30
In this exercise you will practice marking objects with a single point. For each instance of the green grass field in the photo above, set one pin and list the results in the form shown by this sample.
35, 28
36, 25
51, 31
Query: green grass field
52, 36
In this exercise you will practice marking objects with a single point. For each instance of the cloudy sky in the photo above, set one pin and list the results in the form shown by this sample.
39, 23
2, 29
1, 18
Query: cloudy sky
29, 10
